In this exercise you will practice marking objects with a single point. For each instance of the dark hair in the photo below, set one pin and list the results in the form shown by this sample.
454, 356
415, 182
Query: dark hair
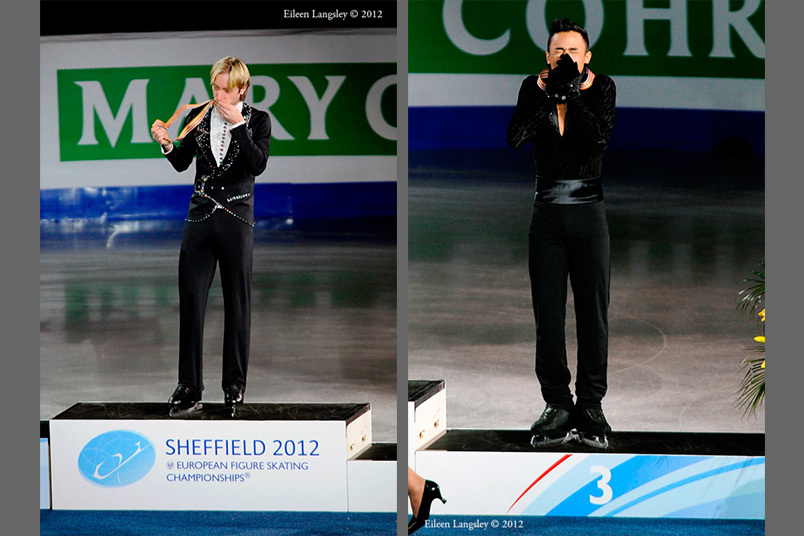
563, 24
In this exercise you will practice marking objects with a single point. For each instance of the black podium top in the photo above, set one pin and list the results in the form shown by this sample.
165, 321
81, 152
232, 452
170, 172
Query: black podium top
385, 452
420, 390
661, 443
216, 411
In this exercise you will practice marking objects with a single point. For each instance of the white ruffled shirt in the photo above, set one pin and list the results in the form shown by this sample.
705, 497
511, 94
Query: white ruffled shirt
220, 133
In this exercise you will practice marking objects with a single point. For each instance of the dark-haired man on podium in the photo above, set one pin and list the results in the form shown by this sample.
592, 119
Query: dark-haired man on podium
567, 115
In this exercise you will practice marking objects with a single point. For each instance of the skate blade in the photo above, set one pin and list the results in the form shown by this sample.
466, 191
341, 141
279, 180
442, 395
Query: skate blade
546, 442
594, 441
233, 410
174, 412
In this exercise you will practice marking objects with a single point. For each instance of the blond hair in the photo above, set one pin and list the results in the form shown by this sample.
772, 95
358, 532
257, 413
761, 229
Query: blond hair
238, 73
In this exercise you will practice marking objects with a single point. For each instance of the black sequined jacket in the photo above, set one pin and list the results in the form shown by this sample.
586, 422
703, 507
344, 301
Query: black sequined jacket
230, 186
569, 166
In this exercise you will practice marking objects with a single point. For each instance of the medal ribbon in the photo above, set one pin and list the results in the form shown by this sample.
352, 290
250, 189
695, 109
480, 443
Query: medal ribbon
192, 124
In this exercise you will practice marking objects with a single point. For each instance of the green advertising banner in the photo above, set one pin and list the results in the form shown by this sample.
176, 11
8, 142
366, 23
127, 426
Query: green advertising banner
335, 109
670, 38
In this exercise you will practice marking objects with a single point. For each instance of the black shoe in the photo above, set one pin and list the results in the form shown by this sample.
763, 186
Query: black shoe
430, 493
233, 397
184, 400
592, 426
553, 426
414, 525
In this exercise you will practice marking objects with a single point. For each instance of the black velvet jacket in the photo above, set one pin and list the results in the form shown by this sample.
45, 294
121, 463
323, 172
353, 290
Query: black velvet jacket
568, 166
230, 186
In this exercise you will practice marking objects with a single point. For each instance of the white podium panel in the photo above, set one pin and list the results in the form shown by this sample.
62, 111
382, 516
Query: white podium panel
371, 479
44, 474
515, 479
202, 464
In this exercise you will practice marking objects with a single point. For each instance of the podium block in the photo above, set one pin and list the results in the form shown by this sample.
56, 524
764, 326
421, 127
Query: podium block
44, 474
372, 479
132, 456
427, 414
642, 474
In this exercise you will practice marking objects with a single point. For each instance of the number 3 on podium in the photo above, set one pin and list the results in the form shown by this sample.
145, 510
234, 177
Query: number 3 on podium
602, 484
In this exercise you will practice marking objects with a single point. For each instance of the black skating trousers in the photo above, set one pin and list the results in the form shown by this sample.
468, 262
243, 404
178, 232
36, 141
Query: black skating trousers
224, 241
570, 242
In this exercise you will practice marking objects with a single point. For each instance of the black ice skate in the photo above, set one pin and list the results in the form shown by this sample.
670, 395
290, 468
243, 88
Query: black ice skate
232, 398
553, 426
184, 400
591, 425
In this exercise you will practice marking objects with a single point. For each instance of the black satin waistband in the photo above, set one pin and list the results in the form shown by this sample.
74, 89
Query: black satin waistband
569, 192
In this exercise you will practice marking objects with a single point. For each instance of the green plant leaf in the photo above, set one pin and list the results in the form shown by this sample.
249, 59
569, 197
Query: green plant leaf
752, 388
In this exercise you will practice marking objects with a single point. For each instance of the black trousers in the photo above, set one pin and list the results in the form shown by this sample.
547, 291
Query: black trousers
224, 241
570, 241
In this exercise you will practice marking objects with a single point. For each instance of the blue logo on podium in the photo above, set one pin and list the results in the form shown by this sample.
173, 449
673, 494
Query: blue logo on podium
116, 458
